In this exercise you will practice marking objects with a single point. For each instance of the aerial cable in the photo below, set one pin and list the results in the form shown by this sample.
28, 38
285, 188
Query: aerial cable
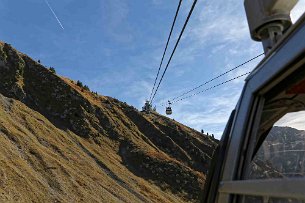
205, 83
210, 88
170, 34
176, 45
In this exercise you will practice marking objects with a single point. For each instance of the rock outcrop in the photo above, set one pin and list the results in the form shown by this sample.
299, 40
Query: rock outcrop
281, 155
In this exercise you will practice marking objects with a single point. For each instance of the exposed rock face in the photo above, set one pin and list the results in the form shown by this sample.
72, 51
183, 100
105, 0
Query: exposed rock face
281, 155
12, 70
61, 143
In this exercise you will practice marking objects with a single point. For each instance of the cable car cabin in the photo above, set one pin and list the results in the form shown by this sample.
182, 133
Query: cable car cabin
169, 110
261, 155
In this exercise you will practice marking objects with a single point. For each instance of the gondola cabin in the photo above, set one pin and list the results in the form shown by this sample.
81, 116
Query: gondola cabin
169, 110
261, 155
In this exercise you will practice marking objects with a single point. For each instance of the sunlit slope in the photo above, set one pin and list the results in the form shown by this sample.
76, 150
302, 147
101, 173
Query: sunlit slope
60, 142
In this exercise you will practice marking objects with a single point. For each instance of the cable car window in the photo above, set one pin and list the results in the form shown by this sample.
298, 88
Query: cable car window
280, 143
282, 154
279, 150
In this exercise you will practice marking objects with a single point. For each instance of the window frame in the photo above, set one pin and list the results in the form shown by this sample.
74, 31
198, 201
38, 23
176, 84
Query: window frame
278, 188
283, 60
211, 184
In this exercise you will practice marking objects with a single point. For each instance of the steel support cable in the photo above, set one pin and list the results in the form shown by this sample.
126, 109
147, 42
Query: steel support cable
210, 88
173, 52
168, 39
211, 80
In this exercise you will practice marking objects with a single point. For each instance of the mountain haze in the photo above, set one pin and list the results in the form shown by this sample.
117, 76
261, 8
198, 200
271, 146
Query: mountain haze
62, 143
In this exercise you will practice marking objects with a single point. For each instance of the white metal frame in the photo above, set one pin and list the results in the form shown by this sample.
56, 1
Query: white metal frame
282, 188
267, 74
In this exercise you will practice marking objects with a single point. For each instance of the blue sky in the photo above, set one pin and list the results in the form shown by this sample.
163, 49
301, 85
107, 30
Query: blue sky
115, 47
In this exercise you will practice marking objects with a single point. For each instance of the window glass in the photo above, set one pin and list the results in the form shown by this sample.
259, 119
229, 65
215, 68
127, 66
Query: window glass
279, 142
282, 154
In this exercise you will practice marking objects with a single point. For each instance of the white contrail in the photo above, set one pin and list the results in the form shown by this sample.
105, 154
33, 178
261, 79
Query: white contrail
54, 14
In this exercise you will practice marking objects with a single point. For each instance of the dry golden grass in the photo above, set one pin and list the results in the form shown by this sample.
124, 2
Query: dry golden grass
41, 163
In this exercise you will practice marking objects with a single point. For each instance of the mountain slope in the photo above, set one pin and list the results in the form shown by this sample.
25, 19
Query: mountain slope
281, 154
62, 143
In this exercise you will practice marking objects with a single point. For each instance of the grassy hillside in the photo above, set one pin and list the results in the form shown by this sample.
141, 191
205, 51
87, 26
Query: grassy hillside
63, 143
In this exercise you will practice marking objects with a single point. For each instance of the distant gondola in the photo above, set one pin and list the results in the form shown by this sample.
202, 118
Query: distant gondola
169, 109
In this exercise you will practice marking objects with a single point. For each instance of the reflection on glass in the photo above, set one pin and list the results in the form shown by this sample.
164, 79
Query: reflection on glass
282, 154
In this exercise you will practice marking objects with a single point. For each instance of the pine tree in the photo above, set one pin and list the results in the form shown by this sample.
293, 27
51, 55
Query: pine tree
52, 70
79, 83
86, 88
